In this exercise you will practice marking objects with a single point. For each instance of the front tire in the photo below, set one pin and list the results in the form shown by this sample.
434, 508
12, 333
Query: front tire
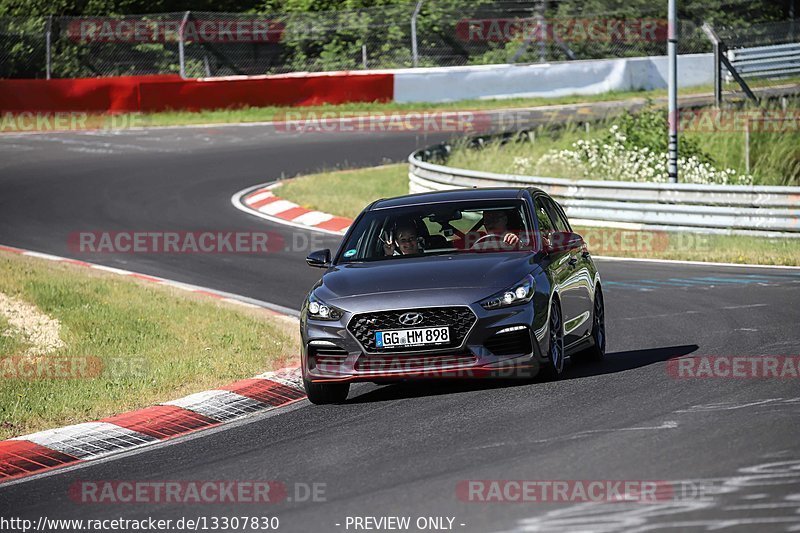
554, 367
326, 393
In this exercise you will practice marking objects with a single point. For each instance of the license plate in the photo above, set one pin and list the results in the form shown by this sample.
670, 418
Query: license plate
412, 337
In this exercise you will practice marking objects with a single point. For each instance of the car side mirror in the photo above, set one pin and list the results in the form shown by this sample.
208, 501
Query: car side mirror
562, 241
319, 259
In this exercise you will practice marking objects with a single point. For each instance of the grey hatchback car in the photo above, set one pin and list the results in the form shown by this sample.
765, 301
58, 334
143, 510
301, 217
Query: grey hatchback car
466, 283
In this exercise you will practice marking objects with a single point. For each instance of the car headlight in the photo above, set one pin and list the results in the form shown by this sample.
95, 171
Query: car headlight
319, 310
518, 293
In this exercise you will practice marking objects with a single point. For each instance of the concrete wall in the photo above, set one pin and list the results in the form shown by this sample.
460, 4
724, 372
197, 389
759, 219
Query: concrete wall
547, 79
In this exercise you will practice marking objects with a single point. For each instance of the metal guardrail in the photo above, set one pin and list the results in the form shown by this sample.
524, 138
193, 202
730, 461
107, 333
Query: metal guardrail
767, 61
736, 209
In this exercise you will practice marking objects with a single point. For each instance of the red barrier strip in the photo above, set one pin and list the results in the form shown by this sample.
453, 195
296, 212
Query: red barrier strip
292, 213
21, 457
263, 202
162, 421
117, 94
169, 92
10, 249
265, 391
335, 224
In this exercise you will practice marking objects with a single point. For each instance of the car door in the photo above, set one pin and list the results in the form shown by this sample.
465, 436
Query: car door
578, 285
559, 267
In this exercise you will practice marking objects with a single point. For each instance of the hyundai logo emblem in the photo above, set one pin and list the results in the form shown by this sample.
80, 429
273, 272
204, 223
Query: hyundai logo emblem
410, 319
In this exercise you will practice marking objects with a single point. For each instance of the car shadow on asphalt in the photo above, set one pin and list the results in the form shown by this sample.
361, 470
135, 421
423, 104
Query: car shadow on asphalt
621, 361
613, 362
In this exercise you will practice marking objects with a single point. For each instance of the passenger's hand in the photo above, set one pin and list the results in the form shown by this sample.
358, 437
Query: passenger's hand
389, 246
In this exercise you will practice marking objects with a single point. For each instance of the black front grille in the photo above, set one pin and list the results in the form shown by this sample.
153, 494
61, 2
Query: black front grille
459, 319
513, 342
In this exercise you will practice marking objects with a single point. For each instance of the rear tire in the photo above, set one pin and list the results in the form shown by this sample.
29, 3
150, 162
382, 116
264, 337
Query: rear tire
597, 351
554, 367
326, 393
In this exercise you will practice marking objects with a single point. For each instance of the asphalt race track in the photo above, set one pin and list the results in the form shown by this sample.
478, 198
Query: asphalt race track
402, 450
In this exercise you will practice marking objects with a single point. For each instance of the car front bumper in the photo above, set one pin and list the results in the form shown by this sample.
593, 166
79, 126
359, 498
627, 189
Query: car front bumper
332, 353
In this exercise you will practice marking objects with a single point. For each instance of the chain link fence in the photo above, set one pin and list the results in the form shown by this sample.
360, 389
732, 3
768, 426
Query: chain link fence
415, 33
23, 47
761, 56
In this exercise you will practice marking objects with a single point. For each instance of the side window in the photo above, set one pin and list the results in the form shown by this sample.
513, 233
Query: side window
543, 217
558, 217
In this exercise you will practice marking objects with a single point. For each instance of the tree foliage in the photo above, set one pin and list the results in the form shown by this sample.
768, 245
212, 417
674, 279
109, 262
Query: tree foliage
330, 34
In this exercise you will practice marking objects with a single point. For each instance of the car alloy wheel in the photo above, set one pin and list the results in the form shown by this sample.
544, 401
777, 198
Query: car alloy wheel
555, 352
599, 326
597, 351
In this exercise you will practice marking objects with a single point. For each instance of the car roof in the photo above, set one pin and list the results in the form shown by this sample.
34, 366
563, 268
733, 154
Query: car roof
453, 195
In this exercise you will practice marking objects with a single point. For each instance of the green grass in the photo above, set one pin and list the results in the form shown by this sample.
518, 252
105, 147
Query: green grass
500, 158
346, 192
9, 343
774, 155
150, 344
263, 114
360, 187
692, 246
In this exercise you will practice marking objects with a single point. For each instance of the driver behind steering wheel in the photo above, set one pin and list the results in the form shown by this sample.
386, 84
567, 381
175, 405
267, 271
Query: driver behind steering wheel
496, 223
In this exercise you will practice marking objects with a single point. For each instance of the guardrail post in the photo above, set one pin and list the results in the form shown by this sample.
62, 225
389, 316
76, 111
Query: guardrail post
181, 55
715, 43
717, 77
747, 145
48, 41
672, 53
414, 52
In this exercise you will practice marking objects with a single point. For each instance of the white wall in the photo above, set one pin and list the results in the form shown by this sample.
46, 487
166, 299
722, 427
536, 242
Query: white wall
548, 79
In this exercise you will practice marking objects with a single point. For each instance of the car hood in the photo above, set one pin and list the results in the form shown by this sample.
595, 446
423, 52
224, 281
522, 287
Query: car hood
425, 278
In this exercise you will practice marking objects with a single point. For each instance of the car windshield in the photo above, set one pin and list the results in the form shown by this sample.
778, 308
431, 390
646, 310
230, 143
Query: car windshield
456, 227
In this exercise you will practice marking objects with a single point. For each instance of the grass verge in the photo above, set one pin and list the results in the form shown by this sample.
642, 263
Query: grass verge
264, 114
270, 113
9, 342
346, 193
129, 344
774, 147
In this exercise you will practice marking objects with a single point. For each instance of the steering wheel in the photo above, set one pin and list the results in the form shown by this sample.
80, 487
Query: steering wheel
490, 236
